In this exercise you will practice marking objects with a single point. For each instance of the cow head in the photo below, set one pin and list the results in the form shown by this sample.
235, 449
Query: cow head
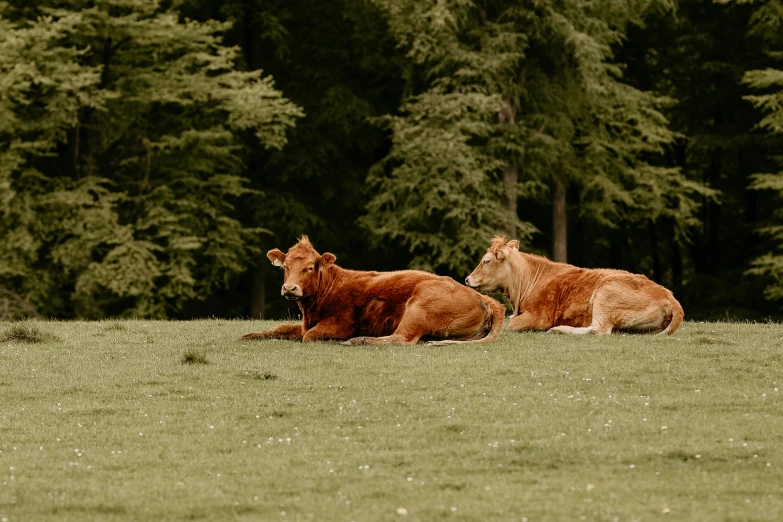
493, 272
301, 268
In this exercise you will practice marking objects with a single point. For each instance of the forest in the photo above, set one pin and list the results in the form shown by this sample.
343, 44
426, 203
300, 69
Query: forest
152, 151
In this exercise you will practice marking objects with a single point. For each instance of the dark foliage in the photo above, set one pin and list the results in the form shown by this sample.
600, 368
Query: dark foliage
151, 152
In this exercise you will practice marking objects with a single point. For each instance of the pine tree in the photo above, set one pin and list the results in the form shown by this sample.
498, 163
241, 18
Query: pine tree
767, 24
512, 99
440, 191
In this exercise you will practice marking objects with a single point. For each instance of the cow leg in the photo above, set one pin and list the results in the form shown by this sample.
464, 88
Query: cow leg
570, 330
649, 320
625, 308
412, 326
290, 332
331, 328
528, 321
388, 339
595, 328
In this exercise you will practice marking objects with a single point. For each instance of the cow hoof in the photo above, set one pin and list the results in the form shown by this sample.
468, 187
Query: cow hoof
255, 335
554, 331
356, 341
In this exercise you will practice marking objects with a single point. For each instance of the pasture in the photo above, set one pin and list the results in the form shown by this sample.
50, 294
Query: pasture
144, 420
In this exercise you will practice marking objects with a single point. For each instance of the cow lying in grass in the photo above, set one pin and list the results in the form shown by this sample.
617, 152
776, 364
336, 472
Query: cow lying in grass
378, 307
562, 298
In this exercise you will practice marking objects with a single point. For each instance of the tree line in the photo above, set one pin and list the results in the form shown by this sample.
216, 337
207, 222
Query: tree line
152, 151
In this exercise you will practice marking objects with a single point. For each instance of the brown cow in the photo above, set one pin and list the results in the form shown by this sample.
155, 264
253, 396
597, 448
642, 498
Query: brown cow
378, 307
562, 298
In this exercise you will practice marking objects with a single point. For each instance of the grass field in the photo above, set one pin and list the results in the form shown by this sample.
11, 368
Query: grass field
143, 420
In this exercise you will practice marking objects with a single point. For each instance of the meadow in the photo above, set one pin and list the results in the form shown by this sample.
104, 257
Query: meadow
144, 420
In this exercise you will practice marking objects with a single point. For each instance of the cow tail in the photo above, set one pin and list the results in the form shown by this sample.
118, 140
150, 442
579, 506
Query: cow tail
498, 316
675, 317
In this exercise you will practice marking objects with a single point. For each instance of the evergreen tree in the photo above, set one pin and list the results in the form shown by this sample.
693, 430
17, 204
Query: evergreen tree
513, 99
338, 61
697, 56
121, 158
767, 24
146, 163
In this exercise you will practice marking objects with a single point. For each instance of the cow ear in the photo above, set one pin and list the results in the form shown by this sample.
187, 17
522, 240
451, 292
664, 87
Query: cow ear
276, 257
327, 259
499, 254
513, 244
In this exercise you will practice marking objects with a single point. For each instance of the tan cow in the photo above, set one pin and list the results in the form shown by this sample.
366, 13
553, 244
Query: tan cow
562, 298
378, 307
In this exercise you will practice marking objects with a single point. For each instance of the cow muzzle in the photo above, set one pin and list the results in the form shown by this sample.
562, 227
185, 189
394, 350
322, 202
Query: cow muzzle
469, 281
291, 292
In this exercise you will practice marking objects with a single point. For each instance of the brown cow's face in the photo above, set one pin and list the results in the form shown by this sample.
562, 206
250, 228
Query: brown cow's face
301, 268
493, 272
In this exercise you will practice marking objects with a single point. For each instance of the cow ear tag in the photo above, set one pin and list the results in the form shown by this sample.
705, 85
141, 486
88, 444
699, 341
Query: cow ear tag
499, 255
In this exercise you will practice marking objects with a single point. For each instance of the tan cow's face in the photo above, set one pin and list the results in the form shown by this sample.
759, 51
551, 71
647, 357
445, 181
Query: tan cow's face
301, 269
493, 272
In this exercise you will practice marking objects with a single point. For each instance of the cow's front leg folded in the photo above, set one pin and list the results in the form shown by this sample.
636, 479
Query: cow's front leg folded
388, 339
330, 328
356, 341
564, 329
289, 332
527, 321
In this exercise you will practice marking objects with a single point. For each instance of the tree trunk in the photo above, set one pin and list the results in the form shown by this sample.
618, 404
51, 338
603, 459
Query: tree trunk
507, 116
76, 131
676, 287
559, 223
510, 179
258, 297
656, 256
705, 249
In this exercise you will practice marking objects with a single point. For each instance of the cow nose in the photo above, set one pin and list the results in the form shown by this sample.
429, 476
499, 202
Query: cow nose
291, 292
467, 280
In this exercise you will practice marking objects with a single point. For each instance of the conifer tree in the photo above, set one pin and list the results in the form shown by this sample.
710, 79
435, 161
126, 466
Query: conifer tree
514, 98
767, 24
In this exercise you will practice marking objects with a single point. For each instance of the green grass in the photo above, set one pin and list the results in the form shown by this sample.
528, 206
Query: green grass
103, 421
24, 332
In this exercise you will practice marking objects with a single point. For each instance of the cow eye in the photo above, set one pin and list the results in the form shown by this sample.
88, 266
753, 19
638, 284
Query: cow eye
309, 269
486, 261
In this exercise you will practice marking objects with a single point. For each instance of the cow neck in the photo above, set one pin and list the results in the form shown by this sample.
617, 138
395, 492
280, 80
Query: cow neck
327, 280
531, 271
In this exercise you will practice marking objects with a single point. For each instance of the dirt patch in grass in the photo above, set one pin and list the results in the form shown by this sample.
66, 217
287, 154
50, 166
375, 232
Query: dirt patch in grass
115, 327
25, 333
259, 375
194, 357
454, 428
712, 340
679, 455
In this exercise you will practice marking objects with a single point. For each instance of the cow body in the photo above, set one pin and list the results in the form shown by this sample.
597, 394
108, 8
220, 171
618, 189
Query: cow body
379, 307
562, 298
